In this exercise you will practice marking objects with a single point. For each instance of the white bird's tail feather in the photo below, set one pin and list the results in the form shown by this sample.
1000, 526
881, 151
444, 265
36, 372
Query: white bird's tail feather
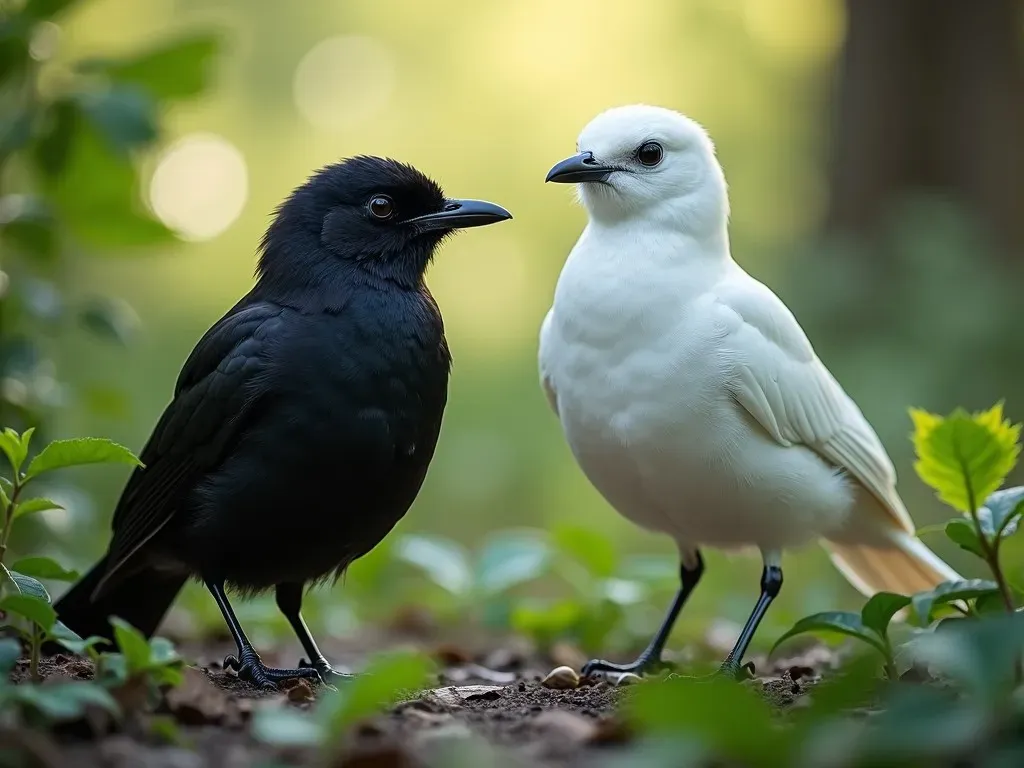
906, 567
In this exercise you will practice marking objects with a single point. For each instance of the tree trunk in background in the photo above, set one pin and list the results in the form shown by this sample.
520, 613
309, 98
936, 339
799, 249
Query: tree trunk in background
931, 96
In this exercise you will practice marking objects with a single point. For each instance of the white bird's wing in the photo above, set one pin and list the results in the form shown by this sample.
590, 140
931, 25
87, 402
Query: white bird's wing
786, 388
545, 380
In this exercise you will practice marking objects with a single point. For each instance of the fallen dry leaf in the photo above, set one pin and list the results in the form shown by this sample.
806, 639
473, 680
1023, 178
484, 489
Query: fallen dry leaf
565, 727
197, 701
299, 690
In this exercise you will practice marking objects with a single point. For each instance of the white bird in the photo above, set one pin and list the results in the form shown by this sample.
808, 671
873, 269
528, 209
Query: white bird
689, 394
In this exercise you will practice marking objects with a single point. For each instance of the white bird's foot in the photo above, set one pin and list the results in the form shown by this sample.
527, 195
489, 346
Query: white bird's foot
645, 665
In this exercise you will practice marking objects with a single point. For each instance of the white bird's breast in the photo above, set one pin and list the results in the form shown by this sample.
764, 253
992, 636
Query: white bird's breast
641, 378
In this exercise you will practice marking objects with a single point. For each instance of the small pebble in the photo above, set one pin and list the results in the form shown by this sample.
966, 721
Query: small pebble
561, 678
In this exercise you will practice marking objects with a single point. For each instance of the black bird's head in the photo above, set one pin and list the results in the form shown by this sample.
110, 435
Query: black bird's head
384, 216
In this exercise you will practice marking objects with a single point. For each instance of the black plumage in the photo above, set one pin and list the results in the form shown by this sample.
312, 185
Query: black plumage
303, 422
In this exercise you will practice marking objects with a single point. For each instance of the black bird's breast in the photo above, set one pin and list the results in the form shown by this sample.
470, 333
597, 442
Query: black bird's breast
347, 408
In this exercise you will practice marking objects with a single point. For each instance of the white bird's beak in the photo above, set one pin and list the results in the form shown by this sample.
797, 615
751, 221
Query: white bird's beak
579, 168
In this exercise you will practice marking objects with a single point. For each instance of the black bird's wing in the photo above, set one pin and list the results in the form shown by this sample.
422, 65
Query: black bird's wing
215, 397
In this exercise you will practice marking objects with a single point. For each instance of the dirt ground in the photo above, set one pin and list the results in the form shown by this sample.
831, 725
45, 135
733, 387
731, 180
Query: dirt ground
489, 699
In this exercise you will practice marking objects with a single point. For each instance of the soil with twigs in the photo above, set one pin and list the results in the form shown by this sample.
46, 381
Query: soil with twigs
495, 699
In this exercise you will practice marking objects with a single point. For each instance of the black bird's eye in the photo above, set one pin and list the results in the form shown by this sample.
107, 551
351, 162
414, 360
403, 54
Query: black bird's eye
381, 207
650, 154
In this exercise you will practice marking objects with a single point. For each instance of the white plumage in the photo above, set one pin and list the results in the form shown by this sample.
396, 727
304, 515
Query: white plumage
686, 389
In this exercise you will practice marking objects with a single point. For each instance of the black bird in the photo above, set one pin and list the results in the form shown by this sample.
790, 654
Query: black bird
302, 423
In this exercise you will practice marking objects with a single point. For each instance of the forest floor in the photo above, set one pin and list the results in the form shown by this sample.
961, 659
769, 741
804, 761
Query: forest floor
491, 699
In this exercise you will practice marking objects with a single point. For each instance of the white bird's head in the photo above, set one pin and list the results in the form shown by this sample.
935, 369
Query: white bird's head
650, 163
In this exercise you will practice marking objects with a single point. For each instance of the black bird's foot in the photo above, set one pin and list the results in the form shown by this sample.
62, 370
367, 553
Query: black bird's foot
645, 665
252, 669
328, 674
733, 670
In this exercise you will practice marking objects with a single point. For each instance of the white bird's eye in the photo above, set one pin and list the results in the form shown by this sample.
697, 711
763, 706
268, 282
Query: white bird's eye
381, 207
650, 154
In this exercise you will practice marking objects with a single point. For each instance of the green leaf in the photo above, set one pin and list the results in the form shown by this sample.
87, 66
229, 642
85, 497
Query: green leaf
30, 586
920, 726
14, 41
879, 610
965, 457
15, 446
10, 652
77, 451
981, 655
443, 560
110, 318
962, 533
589, 546
67, 701
925, 602
30, 607
510, 558
44, 568
45, 9
132, 644
385, 678
708, 711
15, 131
31, 506
162, 652
28, 225
178, 69
1002, 511
8, 586
838, 622
60, 123
1011, 560
125, 116
286, 727
62, 634
989, 604
544, 621
98, 197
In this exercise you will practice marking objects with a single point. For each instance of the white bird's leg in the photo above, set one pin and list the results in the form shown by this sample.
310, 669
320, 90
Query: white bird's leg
771, 585
690, 571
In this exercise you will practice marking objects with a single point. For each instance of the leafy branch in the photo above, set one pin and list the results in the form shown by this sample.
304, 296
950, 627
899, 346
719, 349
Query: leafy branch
964, 457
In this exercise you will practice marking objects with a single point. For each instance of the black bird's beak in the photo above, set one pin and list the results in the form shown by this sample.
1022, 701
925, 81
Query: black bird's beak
579, 168
459, 214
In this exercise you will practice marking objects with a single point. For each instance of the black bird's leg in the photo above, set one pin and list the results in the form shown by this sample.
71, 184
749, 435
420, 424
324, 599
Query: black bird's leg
650, 659
289, 600
771, 585
248, 664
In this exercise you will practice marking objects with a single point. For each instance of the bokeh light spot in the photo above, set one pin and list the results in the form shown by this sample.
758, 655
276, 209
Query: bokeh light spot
344, 80
200, 186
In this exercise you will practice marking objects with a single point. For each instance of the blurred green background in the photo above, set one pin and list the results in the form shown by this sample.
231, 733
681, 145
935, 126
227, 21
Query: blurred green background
875, 158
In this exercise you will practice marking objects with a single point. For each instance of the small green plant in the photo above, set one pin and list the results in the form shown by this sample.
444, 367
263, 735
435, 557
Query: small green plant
476, 585
47, 704
23, 599
594, 585
385, 680
693, 722
964, 458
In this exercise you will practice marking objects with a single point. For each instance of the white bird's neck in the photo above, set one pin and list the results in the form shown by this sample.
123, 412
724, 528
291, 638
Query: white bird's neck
651, 245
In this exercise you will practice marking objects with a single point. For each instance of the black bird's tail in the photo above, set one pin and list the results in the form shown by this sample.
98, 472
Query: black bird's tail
141, 599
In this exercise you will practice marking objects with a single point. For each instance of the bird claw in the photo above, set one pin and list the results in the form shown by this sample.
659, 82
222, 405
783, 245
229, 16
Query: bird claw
732, 670
642, 666
328, 674
252, 669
